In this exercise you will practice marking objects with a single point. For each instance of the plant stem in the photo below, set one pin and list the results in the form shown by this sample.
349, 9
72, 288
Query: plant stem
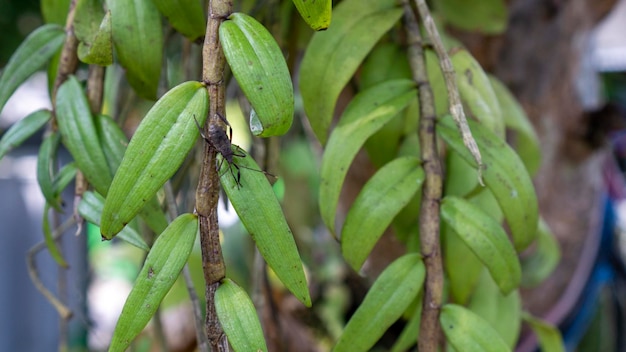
428, 338
207, 193
449, 76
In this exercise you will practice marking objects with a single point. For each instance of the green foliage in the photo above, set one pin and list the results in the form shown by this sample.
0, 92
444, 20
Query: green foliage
361, 55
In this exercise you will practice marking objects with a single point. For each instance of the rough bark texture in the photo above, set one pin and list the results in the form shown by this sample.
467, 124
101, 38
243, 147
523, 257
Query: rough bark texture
538, 58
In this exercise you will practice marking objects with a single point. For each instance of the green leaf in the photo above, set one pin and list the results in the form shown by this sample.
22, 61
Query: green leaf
80, 136
22, 130
549, 336
486, 238
525, 140
29, 57
502, 312
504, 174
162, 266
90, 208
261, 71
316, 13
380, 200
46, 164
159, 146
485, 16
389, 297
55, 11
114, 143
476, 91
51, 244
258, 208
64, 177
366, 113
238, 318
462, 266
539, 264
408, 334
333, 56
96, 47
186, 16
138, 40
468, 332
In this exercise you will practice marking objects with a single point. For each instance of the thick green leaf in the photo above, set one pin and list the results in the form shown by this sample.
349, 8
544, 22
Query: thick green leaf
98, 48
46, 165
333, 56
138, 41
186, 16
476, 91
316, 13
159, 146
387, 61
486, 238
468, 332
407, 336
55, 11
486, 16
29, 57
538, 265
258, 208
22, 130
80, 136
525, 141
367, 113
502, 312
162, 266
64, 177
90, 208
53, 248
261, 71
549, 336
114, 143
504, 174
461, 265
392, 293
238, 318
380, 200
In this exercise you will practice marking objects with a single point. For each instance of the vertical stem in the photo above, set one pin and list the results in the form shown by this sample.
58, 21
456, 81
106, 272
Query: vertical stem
213, 65
431, 191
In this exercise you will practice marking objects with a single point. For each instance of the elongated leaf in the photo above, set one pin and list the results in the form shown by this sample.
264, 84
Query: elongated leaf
367, 113
537, 266
486, 238
64, 177
90, 208
486, 16
45, 165
22, 130
380, 200
162, 266
238, 318
80, 136
504, 174
29, 57
502, 312
392, 293
261, 71
549, 336
157, 149
316, 13
462, 267
525, 142
138, 41
468, 332
476, 91
114, 143
55, 11
407, 337
333, 56
261, 214
186, 16
51, 244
